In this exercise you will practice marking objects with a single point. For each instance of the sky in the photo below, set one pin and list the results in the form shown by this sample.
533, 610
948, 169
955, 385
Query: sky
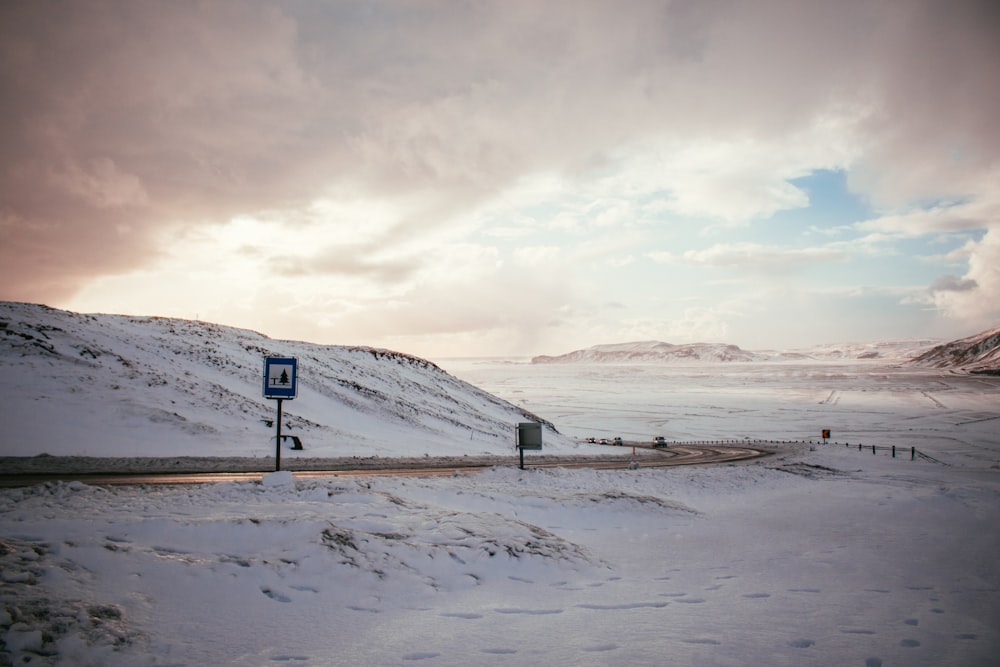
508, 178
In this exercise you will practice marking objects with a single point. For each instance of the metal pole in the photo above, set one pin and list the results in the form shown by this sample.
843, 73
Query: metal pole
521, 450
277, 441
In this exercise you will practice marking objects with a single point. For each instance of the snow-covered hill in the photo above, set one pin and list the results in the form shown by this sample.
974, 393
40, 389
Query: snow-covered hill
656, 351
976, 354
110, 385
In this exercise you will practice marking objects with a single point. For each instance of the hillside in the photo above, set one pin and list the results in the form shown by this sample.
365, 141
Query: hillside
979, 353
660, 352
110, 385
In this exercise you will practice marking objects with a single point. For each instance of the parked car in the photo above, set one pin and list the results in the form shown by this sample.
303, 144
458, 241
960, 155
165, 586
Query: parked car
659, 441
592, 440
618, 441
604, 441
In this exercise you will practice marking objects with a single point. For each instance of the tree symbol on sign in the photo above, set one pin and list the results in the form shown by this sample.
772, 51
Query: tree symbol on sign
284, 378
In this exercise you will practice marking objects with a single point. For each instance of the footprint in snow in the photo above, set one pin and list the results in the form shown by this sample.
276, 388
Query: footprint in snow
757, 596
420, 655
370, 610
909, 643
710, 642
632, 605
498, 651
275, 595
469, 616
801, 643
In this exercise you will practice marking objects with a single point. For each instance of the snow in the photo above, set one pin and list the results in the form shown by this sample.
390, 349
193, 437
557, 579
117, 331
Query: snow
831, 557
821, 554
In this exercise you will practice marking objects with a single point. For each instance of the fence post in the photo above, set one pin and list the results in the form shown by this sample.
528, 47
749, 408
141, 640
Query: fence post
859, 446
873, 450
894, 451
913, 453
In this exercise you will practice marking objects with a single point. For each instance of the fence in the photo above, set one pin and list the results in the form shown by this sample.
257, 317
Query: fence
896, 452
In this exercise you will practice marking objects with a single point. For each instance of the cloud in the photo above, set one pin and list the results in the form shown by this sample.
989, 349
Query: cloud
973, 299
751, 256
953, 284
982, 212
372, 135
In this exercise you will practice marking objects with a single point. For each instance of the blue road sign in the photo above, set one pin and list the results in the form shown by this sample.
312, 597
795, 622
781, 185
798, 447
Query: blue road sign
280, 377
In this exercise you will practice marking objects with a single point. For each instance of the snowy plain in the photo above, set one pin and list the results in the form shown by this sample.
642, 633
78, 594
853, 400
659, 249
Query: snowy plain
819, 555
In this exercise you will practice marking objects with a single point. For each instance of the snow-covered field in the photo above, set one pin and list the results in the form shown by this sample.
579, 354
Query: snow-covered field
819, 555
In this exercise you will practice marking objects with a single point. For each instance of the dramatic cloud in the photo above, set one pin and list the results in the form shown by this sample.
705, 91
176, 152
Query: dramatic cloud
328, 160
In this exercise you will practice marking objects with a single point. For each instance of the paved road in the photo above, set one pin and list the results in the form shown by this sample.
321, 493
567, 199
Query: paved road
646, 457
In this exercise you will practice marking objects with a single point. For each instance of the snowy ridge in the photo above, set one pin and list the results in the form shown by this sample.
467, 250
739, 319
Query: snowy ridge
657, 351
976, 354
150, 385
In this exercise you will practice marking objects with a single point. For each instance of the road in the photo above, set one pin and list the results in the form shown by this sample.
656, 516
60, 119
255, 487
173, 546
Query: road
646, 457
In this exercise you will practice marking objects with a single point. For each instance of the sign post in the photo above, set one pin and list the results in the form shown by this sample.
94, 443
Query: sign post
529, 436
281, 383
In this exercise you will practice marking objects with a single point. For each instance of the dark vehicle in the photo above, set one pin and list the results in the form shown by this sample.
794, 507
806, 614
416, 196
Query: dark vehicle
659, 441
618, 441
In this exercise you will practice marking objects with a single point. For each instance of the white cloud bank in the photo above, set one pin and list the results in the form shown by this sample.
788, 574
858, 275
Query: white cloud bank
408, 162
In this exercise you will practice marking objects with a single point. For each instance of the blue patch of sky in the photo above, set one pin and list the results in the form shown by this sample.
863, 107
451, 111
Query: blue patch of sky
831, 211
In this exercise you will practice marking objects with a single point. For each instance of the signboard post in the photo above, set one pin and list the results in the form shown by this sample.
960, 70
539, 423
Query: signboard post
826, 435
529, 436
281, 383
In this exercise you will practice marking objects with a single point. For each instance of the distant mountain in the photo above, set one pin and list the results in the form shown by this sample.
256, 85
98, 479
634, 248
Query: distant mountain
659, 352
650, 351
111, 385
887, 350
976, 354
